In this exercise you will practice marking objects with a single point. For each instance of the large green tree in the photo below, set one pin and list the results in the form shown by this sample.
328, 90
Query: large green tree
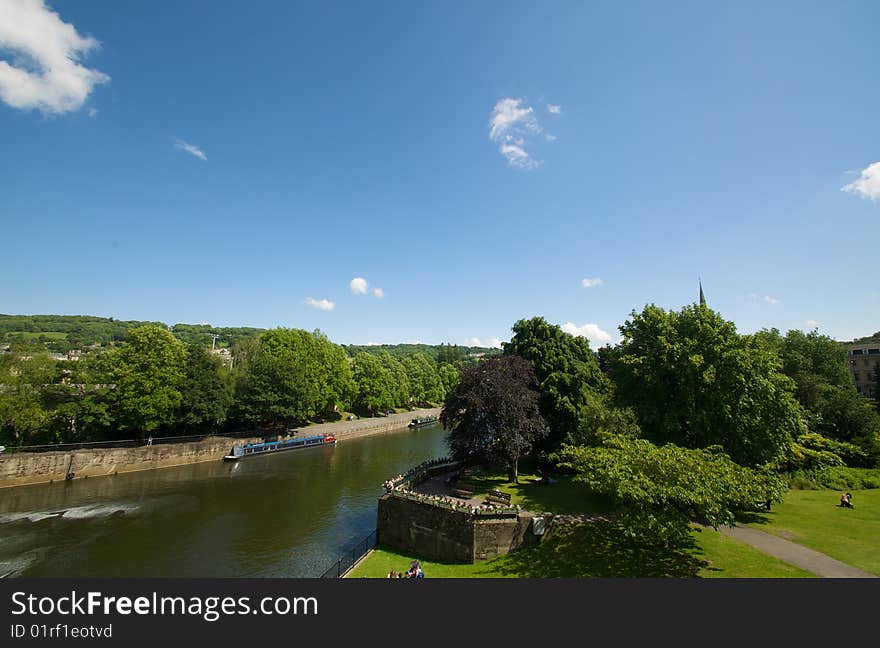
206, 392
657, 492
292, 376
424, 381
23, 414
694, 381
148, 374
493, 414
567, 371
374, 383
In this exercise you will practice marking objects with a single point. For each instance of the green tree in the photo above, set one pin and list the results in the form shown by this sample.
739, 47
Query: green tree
693, 381
818, 365
658, 491
23, 417
493, 414
148, 375
449, 377
290, 378
424, 381
567, 371
399, 387
206, 391
374, 383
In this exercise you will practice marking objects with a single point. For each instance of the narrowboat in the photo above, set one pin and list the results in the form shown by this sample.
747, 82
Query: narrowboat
421, 422
250, 449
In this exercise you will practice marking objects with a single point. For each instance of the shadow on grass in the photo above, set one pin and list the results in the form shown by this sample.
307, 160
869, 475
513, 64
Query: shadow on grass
753, 517
597, 549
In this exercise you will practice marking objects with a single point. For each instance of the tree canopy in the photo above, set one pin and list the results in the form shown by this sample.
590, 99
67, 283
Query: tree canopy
657, 492
493, 414
693, 381
567, 371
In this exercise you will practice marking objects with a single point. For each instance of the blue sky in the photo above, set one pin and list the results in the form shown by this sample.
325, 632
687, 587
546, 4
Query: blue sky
243, 163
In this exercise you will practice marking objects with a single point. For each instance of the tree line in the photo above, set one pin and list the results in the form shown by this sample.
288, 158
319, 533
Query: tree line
154, 384
685, 419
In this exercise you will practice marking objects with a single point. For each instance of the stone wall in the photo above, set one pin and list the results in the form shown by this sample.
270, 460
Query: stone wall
445, 535
22, 468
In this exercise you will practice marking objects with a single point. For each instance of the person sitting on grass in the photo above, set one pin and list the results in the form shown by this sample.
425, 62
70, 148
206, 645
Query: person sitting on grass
846, 501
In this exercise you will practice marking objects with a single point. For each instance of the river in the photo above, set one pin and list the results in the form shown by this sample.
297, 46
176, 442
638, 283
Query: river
291, 514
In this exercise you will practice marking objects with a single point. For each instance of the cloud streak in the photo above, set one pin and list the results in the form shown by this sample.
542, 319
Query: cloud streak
45, 71
588, 282
192, 149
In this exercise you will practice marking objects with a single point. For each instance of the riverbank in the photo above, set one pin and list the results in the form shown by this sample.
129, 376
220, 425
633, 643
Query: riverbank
24, 468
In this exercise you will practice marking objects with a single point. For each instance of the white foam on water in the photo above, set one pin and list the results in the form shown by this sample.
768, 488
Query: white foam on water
14, 567
86, 512
97, 511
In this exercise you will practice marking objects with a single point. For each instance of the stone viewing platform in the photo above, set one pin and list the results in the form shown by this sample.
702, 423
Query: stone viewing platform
420, 514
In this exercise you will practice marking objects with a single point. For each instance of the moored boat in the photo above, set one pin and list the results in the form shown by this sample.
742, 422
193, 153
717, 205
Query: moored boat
250, 449
421, 422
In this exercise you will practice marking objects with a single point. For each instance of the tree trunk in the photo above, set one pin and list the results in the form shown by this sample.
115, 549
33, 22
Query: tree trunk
513, 471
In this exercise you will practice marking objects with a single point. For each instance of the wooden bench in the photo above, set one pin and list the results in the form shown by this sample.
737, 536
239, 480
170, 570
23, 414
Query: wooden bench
496, 495
463, 493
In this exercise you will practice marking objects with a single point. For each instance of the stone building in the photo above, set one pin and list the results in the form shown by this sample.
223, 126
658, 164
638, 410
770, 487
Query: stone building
864, 362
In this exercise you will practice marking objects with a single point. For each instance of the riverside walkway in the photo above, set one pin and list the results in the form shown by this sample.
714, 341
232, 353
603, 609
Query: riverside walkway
366, 426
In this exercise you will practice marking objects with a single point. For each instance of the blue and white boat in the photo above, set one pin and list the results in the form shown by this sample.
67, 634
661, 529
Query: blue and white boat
250, 449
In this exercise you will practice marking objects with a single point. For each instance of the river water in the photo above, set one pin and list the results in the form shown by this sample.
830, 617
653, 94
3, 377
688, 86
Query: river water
291, 514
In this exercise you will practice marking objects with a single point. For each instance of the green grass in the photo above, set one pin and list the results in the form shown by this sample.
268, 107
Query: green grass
813, 519
729, 558
596, 550
565, 496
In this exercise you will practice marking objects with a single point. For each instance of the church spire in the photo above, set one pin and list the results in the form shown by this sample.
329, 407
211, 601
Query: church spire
702, 296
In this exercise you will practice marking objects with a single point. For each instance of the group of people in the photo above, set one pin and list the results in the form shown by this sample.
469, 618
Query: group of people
846, 501
414, 571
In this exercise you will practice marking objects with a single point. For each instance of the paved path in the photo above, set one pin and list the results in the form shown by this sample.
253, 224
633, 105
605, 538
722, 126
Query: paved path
365, 426
795, 554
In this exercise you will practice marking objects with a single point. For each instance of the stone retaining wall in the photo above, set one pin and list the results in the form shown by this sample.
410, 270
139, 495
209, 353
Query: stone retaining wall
21, 468
446, 535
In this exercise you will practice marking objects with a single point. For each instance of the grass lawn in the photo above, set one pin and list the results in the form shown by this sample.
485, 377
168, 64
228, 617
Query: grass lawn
729, 558
595, 550
813, 519
565, 496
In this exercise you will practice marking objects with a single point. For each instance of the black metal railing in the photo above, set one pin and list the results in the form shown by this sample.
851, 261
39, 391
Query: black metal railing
351, 556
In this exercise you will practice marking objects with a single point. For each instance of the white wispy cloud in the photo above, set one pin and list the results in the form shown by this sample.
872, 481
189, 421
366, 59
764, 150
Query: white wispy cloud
321, 304
591, 282
379, 293
550, 138
868, 184
770, 300
93, 112
358, 286
554, 109
592, 332
192, 149
45, 71
810, 324
511, 126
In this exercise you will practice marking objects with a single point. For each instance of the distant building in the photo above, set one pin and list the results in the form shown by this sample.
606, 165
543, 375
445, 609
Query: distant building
864, 362
224, 354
